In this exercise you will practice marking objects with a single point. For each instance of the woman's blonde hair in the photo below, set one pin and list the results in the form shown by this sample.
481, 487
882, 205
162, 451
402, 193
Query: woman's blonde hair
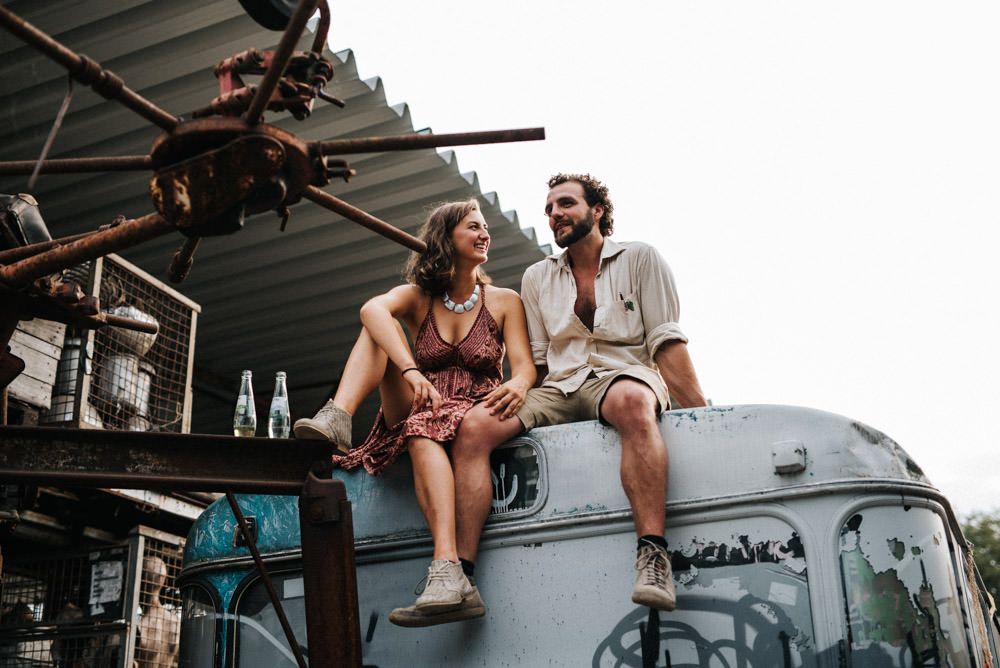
434, 269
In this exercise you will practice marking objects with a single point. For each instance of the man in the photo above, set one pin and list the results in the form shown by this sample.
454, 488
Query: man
602, 320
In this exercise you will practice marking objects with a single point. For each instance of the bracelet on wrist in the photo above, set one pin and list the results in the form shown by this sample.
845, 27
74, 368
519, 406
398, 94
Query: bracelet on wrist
411, 368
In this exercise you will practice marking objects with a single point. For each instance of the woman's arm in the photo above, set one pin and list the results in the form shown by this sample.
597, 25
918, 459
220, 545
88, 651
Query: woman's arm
379, 315
506, 399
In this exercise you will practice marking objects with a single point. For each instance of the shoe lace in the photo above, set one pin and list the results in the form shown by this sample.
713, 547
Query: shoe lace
433, 575
652, 564
326, 411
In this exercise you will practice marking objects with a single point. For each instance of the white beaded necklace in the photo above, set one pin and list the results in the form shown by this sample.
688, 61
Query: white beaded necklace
461, 308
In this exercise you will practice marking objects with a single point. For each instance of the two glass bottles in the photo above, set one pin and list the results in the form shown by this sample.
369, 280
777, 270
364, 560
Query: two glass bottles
279, 421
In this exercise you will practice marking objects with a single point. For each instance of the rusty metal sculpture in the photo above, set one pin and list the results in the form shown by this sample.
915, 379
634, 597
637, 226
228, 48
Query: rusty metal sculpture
209, 172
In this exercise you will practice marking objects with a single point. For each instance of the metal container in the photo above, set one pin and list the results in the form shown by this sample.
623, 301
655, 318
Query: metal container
126, 381
74, 354
133, 341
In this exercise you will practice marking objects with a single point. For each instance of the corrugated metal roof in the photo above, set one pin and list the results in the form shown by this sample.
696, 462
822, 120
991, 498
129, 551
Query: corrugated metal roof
270, 300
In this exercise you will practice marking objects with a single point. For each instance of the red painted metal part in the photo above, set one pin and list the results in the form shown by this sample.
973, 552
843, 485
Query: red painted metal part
282, 56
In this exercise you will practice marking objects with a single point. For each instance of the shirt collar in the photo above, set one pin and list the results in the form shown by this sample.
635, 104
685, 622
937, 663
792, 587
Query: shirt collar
609, 249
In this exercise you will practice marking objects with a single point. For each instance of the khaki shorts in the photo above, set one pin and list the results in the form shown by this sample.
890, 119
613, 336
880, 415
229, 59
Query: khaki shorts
548, 405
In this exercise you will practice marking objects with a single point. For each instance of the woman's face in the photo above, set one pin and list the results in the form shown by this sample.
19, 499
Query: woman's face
471, 238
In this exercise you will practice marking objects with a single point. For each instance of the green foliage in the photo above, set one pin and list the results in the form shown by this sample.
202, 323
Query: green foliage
983, 531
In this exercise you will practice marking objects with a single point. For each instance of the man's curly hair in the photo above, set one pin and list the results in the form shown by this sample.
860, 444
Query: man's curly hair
594, 192
434, 269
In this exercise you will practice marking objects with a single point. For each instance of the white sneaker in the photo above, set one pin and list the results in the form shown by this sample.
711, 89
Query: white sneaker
331, 423
446, 587
654, 586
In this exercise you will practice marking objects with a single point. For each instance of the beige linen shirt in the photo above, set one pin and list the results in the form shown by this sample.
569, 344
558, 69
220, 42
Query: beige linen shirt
637, 312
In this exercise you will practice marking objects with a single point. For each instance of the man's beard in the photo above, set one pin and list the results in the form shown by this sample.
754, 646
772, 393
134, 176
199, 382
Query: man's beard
578, 230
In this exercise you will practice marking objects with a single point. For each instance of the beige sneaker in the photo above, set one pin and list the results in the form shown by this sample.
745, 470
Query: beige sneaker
469, 606
331, 423
654, 586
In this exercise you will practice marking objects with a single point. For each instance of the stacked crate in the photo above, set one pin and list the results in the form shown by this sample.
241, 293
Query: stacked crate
120, 379
115, 606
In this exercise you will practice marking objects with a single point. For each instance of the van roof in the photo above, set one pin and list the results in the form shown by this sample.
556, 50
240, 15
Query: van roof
718, 455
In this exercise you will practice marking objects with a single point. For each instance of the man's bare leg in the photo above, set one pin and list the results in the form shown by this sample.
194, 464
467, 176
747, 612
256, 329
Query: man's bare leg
630, 407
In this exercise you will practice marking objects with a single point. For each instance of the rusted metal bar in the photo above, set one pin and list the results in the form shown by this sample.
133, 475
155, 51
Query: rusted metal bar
87, 71
322, 27
282, 55
63, 108
93, 246
413, 142
21, 252
129, 323
183, 259
329, 572
158, 460
123, 163
363, 218
279, 610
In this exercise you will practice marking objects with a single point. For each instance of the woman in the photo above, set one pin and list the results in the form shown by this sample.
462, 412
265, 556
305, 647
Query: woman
460, 328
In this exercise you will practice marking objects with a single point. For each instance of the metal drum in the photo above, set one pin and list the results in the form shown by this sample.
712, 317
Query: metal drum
126, 381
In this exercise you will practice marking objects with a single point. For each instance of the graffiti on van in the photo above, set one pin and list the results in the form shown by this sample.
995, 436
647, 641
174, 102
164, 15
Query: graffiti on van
745, 600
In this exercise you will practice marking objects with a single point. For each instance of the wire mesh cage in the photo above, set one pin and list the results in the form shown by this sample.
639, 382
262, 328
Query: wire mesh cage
110, 607
120, 379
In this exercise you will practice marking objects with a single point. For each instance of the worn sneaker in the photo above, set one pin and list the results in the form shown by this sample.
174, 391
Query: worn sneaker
449, 596
654, 586
331, 423
446, 587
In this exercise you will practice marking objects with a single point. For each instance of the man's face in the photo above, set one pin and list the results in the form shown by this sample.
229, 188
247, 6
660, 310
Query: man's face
570, 218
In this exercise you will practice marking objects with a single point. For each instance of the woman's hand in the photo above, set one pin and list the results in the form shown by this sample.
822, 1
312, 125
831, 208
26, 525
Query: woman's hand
506, 399
424, 392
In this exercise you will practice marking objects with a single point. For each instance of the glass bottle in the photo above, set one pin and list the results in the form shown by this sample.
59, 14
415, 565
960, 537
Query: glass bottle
279, 422
245, 419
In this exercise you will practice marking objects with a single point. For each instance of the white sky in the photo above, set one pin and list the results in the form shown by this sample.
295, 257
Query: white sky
821, 177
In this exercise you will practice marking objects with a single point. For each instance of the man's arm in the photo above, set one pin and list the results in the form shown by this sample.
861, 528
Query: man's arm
675, 366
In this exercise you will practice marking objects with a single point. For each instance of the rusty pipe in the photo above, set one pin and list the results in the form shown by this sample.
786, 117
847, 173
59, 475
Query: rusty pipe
322, 27
87, 71
183, 259
412, 142
63, 108
21, 252
363, 218
282, 56
129, 323
93, 246
122, 163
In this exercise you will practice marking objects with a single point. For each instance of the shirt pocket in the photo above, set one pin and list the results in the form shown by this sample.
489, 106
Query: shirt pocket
622, 320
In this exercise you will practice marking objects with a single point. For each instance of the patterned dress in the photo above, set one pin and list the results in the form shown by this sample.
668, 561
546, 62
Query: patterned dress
463, 374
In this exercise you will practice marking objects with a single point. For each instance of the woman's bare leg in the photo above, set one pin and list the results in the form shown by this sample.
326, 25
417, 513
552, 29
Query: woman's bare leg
435, 487
369, 367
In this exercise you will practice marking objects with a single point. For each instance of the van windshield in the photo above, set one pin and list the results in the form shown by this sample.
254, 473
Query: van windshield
260, 641
902, 606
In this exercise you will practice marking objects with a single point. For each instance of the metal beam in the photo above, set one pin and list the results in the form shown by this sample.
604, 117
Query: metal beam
159, 461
